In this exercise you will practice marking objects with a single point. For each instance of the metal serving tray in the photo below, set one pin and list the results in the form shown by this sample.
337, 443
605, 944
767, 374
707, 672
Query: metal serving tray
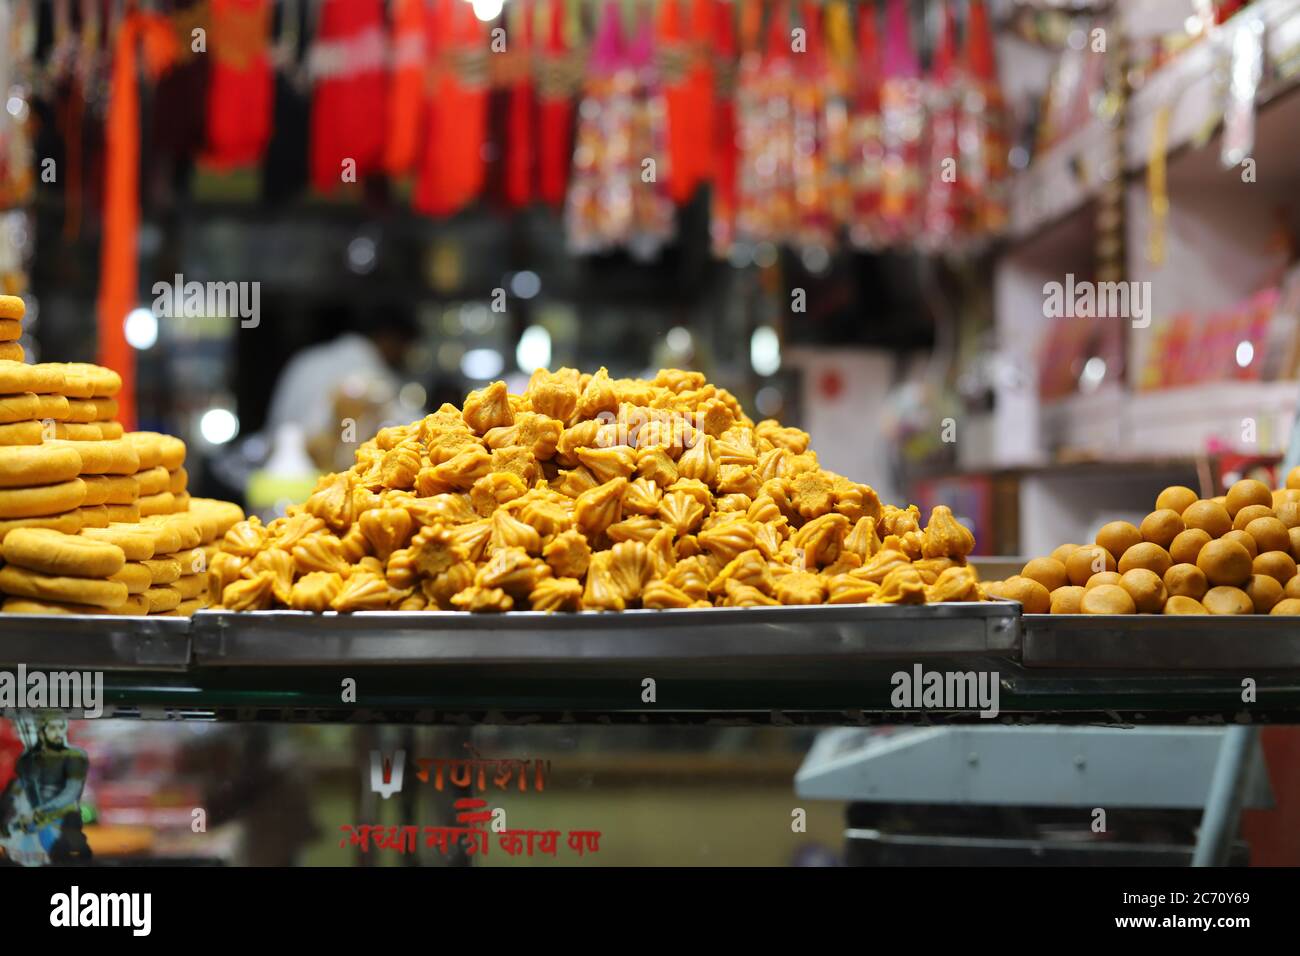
99, 642
822, 632
1153, 642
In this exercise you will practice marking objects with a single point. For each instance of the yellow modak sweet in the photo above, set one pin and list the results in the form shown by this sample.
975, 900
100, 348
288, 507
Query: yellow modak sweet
588, 492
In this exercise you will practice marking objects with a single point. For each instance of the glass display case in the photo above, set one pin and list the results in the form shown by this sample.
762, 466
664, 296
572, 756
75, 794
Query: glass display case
816, 736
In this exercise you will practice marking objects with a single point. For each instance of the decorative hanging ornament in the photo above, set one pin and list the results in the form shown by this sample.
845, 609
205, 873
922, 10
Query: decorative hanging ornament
406, 87
766, 210
944, 215
521, 108
722, 218
616, 196
902, 109
348, 63
241, 86
451, 165
984, 138
814, 226
841, 63
867, 230
686, 103
557, 81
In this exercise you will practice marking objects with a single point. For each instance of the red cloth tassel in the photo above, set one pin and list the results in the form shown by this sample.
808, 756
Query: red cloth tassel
240, 86
979, 44
521, 117
984, 136
452, 169
701, 83
347, 119
470, 124
722, 221
687, 153
866, 230
406, 88
433, 191
555, 113
777, 46
944, 213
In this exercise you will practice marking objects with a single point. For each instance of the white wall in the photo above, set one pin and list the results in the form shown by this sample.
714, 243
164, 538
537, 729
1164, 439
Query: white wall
846, 430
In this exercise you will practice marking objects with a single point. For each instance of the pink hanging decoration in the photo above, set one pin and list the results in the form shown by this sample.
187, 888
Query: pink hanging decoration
902, 108
984, 138
722, 215
814, 227
617, 197
841, 64
765, 97
945, 209
867, 230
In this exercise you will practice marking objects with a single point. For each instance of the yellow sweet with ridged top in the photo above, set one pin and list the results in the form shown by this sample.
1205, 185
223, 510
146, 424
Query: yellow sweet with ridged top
589, 492
556, 594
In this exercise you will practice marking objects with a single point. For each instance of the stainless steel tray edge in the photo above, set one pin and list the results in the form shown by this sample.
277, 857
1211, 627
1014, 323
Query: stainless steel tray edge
822, 632
99, 642
1172, 643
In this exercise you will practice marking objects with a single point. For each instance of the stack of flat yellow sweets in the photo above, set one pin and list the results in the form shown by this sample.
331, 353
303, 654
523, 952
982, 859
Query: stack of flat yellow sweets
200, 527
39, 485
160, 456
108, 463
93, 519
12, 310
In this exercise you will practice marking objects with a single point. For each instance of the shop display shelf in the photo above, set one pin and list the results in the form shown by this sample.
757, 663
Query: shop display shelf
1061, 181
1193, 86
824, 665
95, 642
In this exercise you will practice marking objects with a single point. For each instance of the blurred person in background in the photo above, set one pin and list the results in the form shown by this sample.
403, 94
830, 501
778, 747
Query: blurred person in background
333, 395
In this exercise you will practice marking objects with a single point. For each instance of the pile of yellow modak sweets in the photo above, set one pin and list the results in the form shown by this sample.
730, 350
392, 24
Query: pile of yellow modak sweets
588, 492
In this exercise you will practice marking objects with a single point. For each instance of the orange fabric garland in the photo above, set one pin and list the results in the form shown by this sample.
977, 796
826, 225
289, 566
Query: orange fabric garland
118, 262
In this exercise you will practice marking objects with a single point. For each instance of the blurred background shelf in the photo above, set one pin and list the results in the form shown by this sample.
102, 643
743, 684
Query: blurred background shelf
1194, 86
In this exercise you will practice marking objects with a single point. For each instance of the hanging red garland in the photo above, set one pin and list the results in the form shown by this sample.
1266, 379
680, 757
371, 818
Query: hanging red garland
555, 110
722, 219
451, 166
811, 162
406, 88
521, 111
686, 104
701, 84
902, 110
945, 212
349, 63
984, 139
240, 86
866, 230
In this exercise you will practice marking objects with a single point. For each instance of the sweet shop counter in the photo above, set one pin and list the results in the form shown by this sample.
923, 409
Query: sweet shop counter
845, 664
